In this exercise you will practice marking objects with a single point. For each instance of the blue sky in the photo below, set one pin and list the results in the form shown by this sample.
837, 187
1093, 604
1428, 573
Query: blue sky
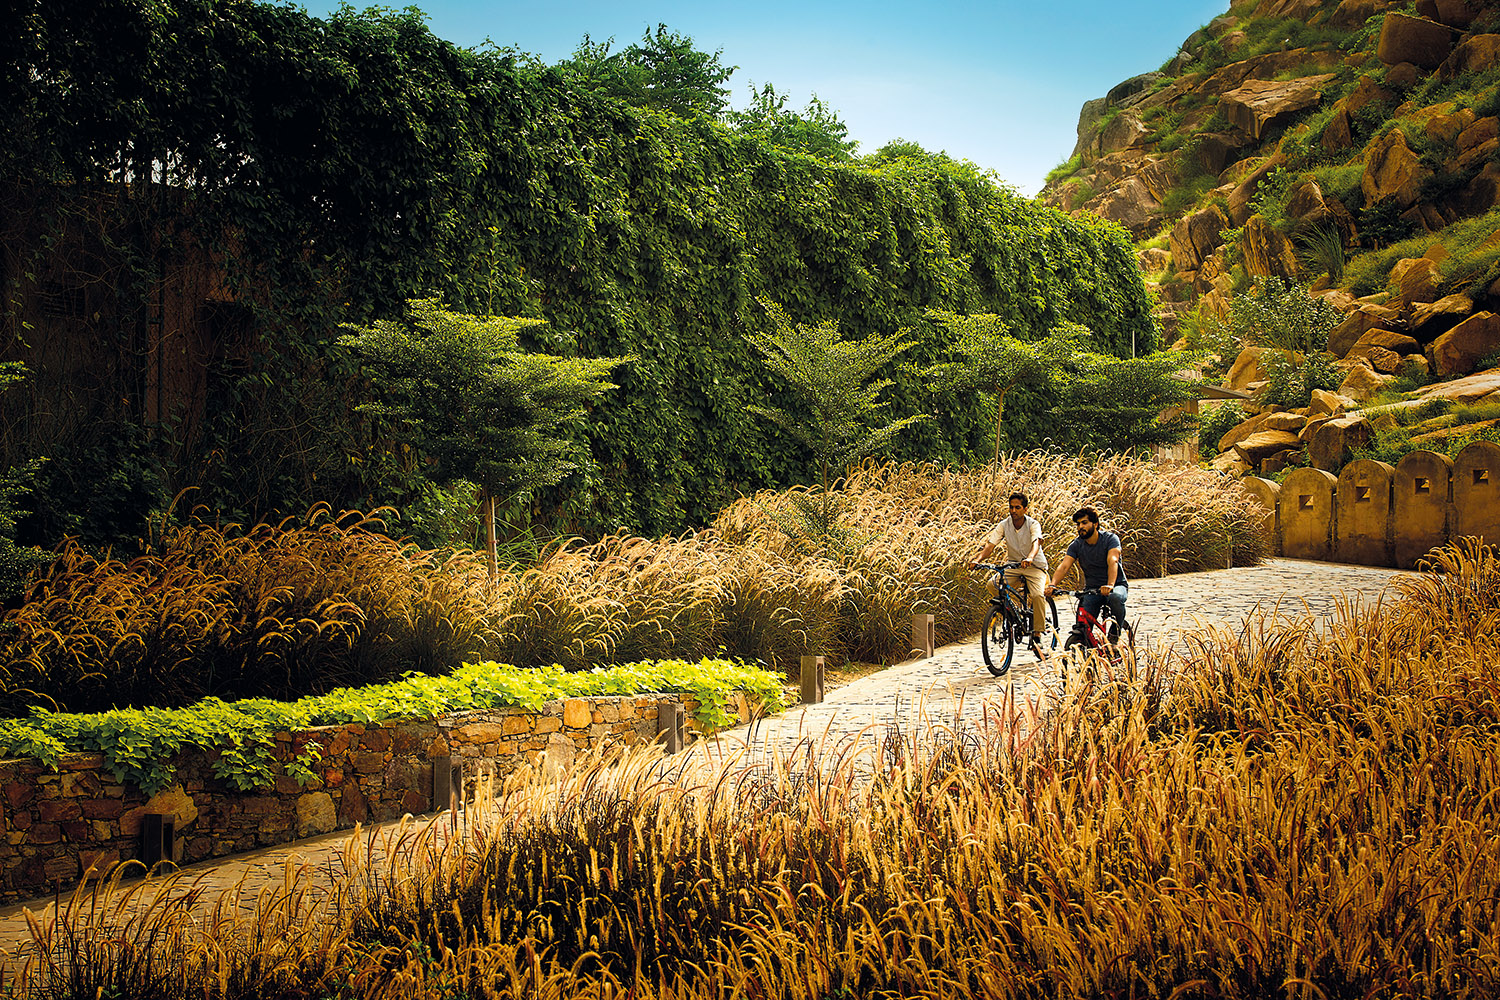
999, 83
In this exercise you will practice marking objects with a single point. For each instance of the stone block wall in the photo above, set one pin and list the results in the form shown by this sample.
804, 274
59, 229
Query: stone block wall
1374, 514
60, 823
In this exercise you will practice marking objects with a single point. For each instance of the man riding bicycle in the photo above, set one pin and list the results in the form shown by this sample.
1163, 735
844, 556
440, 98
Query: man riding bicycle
1098, 553
1021, 535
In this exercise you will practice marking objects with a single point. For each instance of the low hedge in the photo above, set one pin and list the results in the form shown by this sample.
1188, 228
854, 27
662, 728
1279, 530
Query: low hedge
139, 744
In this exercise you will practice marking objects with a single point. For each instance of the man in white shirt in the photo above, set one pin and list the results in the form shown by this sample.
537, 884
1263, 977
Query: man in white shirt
1022, 537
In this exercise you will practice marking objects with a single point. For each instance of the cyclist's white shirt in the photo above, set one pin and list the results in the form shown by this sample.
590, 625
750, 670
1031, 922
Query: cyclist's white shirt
1018, 540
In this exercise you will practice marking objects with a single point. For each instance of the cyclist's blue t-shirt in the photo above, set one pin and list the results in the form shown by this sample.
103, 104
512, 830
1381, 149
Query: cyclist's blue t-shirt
1094, 559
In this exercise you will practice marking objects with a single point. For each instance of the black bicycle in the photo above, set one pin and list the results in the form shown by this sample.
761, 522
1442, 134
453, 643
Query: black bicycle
1008, 622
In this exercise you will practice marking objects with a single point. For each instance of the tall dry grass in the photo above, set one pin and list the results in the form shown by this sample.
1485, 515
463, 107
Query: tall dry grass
292, 609
1285, 809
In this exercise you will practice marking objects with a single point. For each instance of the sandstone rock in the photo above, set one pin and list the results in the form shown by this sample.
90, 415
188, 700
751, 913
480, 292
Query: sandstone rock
1266, 67
1426, 217
1339, 298
1126, 89
1404, 38
1132, 206
1475, 54
1338, 134
1283, 421
1153, 259
1088, 121
1483, 131
1392, 171
315, 814
1255, 447
1239, 198
171, 801
1354, 13
1382, 359
1241, 430
1363, 382
1216, 150
1247, 369
1418, 279
1457, 13
1459, 351
1333, 443
1230, 464
1356, 324
1325, 403
1267, 252
1390, 340
1480, 195
1445, 125
1483, 385
1302, 10
1196, 236
1414, 367
1313, 423
1404, 75
1429, 319
1123, 132
1259, 106
1471, 158
1306, 204
1366, 91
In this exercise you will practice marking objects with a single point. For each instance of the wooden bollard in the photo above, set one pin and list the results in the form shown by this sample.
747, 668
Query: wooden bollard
923, 634
812, 680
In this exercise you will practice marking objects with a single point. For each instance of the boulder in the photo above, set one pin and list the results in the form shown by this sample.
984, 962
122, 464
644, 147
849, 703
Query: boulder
1459, 351
1404, 38
1382, 359
1480, 195
1476, 136
1333, 442
1362, 382
1418, 279
1357, 323
1354, 13
1132, 206
1404, 75
1247, 369
1196, 237
1338, 134
171, 801
1259, 106
1446, 123
1283, 420
1239, 198
1388, 339
1302, 10
1366, 91
1483, 385
1088, 122
1153, 259
1217, 150
1266, 252
1457, 13
1243, 429
1124, 131
1326, 404
1474, 54
1429, 319
1266, 67
1263, 444
1414, 367
1339, 298
1122, 92
1392, 171
1230, 464
1306, 204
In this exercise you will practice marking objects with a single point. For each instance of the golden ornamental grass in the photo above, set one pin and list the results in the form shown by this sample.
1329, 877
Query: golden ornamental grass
1283, 808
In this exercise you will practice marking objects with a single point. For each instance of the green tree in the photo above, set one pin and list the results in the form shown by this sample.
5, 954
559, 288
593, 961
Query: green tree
817, 130
1279, 313
460, 391
1123, 404
990, 360
834, 380
663, 71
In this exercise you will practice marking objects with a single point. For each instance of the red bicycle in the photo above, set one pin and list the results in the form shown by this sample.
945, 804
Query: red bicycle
1091, 634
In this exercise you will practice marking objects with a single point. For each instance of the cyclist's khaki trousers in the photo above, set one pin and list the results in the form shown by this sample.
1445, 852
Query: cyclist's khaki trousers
1036, 583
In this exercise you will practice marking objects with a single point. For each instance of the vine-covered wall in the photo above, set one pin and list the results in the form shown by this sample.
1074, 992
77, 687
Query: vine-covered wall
336, 168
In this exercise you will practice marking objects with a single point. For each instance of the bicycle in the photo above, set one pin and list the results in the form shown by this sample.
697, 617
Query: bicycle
1092, 634
1008, 621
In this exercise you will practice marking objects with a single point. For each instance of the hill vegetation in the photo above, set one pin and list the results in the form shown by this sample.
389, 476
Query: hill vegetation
1348, 148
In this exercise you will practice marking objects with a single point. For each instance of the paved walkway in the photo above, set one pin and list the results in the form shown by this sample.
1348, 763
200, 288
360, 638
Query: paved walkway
953, 685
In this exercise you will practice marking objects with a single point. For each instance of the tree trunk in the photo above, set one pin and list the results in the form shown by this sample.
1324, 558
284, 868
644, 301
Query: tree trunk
491, 549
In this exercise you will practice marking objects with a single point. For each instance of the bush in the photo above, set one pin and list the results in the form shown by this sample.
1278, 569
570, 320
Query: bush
1281, 314
1290, 382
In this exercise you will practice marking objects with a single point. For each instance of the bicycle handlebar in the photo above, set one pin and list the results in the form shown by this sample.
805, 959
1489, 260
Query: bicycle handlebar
997, 567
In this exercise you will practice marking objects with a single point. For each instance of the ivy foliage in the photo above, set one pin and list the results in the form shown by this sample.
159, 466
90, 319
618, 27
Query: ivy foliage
339, 167
138, 744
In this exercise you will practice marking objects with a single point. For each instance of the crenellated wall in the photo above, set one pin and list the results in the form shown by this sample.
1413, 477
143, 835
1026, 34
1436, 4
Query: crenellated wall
1375, 514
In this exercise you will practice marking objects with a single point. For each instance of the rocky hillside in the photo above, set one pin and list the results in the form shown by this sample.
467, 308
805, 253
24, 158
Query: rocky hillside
1352, 148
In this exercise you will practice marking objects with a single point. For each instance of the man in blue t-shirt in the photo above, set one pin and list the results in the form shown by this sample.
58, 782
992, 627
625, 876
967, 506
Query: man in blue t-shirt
1098, 554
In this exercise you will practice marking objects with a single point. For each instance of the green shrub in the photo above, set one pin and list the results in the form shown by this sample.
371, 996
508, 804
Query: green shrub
1213, 426
1281, 314
1290, 383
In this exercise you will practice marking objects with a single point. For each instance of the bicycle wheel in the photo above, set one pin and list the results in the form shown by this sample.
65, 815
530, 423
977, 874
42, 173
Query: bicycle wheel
998, 641
1051, 614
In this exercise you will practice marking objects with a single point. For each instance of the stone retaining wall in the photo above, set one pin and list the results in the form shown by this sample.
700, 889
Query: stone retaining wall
1375, 514
59, 823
